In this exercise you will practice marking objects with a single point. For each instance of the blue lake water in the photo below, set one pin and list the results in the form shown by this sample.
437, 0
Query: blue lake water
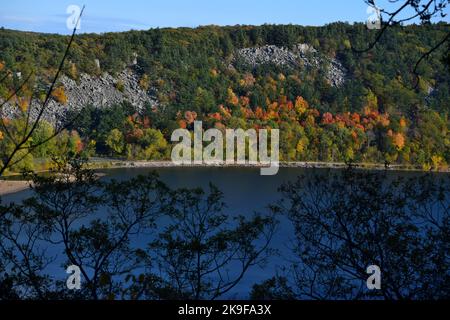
245, 192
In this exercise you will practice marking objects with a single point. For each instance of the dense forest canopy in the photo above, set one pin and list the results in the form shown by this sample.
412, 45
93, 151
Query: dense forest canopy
375, 115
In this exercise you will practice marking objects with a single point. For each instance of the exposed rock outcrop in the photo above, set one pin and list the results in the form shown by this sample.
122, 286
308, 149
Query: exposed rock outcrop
97, 91
108, 90
301, 55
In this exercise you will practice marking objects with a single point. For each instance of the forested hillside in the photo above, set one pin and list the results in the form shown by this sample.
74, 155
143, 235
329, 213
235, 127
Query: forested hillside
330, 102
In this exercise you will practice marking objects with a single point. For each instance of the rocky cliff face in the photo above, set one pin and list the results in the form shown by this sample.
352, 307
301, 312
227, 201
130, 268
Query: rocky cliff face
97, 91
300, 56
108, 90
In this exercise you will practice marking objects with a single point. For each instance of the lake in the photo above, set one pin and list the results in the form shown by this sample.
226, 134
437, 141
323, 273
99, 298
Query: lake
245, 192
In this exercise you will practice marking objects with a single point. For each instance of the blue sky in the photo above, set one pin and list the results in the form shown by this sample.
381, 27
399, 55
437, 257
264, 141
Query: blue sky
104, 16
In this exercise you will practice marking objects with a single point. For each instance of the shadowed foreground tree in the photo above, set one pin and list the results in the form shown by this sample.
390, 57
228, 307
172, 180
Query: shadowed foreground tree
64, 216
99, 243
108, 229
203, 253
22, 258
346, 221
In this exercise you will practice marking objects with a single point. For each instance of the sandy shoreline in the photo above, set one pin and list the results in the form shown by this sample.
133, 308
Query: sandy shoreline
13, 186
9, 186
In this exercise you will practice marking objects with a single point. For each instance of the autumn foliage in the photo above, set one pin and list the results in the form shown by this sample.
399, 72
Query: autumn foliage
60, 95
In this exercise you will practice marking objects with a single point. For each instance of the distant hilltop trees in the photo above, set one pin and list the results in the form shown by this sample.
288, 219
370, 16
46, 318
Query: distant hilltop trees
375, 114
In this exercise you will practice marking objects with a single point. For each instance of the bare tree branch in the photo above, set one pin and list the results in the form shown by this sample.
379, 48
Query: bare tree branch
21, 145
425, 12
